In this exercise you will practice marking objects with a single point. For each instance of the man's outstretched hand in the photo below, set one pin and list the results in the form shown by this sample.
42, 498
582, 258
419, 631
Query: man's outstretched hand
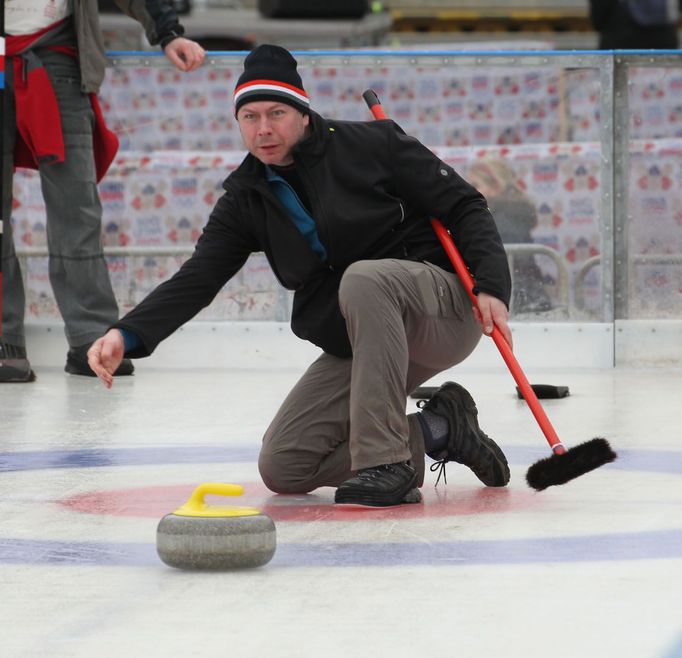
105, 355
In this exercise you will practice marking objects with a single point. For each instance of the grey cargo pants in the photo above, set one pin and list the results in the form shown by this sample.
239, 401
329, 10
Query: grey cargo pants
78, 273
407, 321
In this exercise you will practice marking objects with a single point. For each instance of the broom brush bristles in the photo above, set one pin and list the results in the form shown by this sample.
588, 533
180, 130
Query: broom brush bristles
576, 461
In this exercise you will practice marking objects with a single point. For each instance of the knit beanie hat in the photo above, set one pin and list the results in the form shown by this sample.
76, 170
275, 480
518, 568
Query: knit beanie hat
270, 75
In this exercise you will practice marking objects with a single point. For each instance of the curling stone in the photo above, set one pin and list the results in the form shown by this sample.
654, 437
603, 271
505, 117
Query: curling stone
201, 536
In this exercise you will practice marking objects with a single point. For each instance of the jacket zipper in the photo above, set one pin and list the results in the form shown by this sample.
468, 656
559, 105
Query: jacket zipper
318, 211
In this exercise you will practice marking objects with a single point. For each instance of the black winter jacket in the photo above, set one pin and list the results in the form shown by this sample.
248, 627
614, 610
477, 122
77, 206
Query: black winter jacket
372, 190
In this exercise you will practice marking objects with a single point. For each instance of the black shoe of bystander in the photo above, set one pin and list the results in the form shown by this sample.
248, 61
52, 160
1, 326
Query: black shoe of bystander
77, 363
14, 366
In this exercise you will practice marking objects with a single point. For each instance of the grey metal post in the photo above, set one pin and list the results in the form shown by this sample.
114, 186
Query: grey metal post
610, 192
621, 175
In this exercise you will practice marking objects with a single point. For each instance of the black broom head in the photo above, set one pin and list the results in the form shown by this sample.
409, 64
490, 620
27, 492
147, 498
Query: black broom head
576, 461
546, 392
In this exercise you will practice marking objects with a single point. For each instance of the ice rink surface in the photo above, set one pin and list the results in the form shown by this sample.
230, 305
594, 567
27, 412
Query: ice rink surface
589, 569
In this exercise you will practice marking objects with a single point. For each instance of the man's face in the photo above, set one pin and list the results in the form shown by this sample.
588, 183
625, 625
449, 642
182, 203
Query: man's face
270, 130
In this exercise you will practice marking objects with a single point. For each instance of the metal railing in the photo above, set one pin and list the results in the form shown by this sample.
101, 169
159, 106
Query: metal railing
513, 251
562, 280
595, 261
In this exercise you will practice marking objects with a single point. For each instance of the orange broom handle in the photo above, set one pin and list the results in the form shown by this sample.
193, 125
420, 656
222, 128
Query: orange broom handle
505, 350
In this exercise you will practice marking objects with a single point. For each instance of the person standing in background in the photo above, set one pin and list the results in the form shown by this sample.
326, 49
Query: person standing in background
636, 24
515, 216
52, 122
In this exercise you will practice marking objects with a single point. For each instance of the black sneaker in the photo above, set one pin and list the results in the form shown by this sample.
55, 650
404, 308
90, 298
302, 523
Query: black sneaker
77, 363
467, 443
411, 497
380, 486
14, 366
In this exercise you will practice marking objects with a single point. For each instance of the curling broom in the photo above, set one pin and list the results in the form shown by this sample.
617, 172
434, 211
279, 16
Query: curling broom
564, 464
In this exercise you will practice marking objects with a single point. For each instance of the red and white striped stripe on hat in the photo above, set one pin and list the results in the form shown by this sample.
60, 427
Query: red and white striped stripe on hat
270, 90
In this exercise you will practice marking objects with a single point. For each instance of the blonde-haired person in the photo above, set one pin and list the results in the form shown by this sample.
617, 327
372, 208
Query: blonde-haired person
515, 216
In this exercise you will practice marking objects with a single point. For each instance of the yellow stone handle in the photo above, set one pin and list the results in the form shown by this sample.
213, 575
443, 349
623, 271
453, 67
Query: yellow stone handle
197, 506
196, 500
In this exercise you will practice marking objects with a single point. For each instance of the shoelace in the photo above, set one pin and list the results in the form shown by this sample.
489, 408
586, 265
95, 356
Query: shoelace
440, 464
440, 467
375, 472
368, 474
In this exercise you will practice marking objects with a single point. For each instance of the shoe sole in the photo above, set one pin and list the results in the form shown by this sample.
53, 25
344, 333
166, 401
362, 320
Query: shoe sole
16, 371
405, 496
500, 475
412, 497
73, 369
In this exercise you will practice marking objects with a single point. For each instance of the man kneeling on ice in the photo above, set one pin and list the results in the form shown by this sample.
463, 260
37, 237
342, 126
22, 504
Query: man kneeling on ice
341, 210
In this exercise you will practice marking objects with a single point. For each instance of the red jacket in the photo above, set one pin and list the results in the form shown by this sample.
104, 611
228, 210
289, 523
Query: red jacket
39, 127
